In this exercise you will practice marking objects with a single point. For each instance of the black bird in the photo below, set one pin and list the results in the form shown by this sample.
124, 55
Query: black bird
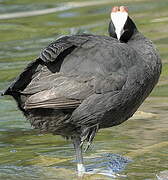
81, 83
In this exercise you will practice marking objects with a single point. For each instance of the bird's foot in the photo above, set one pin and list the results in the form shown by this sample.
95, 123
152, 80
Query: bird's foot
81, 169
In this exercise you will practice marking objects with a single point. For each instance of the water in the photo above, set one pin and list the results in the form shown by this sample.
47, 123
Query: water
26, 154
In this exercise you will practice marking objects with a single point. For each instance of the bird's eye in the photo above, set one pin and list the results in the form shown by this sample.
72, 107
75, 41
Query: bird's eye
125, 30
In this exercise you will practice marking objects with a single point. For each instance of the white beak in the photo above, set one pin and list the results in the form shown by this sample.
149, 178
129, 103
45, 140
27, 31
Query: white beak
119, 19
119, 33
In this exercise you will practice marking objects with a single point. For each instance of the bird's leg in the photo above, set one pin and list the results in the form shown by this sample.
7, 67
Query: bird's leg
79, 157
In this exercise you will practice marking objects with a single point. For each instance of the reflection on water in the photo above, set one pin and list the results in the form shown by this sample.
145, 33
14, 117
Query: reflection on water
26, 154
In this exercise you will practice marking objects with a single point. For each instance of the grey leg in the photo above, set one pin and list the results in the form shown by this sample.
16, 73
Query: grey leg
79, 157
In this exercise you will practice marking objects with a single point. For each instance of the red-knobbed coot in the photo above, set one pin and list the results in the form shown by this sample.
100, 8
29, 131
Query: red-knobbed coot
81, 83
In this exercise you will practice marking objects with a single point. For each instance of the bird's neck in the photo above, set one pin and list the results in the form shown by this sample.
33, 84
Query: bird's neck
146, 53
143, 46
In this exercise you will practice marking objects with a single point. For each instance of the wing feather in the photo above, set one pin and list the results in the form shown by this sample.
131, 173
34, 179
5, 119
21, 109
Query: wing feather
50, 53
48, 99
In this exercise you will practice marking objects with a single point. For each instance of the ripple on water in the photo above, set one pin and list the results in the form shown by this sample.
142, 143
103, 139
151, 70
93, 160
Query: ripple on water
12, 8
23, 48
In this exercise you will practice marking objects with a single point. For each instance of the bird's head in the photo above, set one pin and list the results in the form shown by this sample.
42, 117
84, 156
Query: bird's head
121, 26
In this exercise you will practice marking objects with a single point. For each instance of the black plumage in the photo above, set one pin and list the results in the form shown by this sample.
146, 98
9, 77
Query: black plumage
81, 83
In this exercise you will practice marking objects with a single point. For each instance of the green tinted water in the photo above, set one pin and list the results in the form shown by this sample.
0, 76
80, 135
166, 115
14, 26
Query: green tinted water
26, 154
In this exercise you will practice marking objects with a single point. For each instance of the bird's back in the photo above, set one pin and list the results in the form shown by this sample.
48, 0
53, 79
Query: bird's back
81, 81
